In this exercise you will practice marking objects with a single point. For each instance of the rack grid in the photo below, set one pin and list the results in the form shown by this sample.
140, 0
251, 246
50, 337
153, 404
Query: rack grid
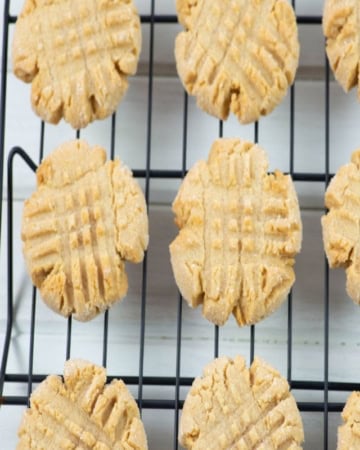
177, 381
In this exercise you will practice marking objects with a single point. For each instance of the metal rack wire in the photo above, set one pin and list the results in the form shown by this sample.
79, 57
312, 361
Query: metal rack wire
177, 381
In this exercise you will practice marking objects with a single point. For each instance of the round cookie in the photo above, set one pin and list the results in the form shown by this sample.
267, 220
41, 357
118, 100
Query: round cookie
349, 432
77, 54
237, 55
240, 229
341, 29
80, 411
340, 225
232, 406
85, 219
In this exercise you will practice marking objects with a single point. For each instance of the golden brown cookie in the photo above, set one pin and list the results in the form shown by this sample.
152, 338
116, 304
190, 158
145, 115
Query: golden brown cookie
341, 29
240, 230
237, 55
77, 54
340, 225
85, 219
349, 432
232, 406
81, 412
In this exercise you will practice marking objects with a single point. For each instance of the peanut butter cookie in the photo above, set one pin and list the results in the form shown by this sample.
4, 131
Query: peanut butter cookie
237, 55
77, 54
240, 229
85, 219
232, 406
341, 224
81, 412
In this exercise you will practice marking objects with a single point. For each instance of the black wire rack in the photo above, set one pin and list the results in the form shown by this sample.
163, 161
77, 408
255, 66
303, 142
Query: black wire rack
177, 381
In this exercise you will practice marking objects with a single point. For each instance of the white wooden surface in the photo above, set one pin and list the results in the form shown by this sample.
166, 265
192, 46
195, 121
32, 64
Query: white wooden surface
22, 128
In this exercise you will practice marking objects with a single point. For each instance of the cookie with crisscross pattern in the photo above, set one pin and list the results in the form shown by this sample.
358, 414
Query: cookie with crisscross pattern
82, 412
237, 55
240, 229
233, 407
87, 217
341, 224
341, 29
349, 431
77, 54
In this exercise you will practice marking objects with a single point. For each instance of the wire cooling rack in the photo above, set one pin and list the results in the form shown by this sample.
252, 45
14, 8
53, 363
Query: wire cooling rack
176, 382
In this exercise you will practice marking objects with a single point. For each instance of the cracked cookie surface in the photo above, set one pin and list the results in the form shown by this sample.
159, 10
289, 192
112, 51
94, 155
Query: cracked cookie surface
87, 217
349, 432
240, 229
237, 55
82, 412
341, 24
341, 224
77, 54
231, 406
